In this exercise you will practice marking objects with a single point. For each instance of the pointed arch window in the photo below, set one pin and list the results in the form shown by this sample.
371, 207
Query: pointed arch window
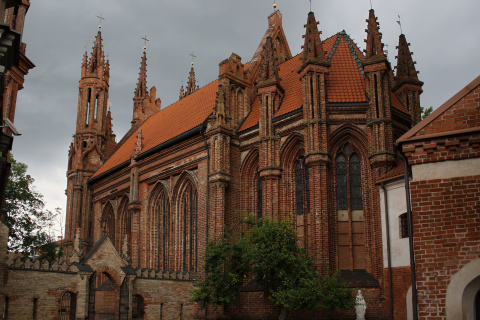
188, 220
302, 187
351, 241
108, 222
164, 228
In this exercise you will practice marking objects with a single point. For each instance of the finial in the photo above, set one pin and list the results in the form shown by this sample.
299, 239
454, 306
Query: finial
274, 6
386, 50
310, 5
371, 6
109, 105
100, 18
193, 56
145, 42
400, 24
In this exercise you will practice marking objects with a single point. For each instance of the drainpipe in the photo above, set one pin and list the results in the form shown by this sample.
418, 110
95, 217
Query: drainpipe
410, 232
389, 253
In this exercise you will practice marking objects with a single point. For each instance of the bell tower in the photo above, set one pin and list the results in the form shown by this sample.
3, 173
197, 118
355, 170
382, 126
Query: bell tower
92, 143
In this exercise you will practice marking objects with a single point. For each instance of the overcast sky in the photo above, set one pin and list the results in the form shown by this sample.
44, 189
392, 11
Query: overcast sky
443, 35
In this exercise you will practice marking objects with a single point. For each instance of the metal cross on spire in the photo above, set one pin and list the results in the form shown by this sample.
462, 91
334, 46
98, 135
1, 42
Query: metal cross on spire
145, 42
310, 5
100, 18
371, 5
400, 24
274, 5
193, 56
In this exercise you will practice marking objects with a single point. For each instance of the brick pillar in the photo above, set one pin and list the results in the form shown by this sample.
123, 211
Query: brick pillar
83, 296
217, 208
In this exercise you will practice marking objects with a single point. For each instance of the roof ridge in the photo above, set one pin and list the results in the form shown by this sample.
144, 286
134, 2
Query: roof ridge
351, 43
335, 45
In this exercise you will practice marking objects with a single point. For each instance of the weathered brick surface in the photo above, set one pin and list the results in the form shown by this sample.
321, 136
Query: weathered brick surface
447, 236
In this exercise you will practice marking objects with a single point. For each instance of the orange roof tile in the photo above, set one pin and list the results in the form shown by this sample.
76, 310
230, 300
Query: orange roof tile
392, 174
345, 82
397, 104
166, 124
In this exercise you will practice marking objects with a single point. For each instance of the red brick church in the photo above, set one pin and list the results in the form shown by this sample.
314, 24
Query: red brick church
301, 137
304, 137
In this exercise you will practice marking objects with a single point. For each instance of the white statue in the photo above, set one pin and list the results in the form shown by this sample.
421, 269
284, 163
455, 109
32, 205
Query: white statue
360, 306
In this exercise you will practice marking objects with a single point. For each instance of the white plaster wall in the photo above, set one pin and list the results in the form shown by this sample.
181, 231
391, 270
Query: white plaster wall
399, 248
446, 169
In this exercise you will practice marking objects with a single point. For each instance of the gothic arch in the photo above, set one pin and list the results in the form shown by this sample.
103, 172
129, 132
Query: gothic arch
159, 225
125, 225
462, 291
249, 176
183, 240
351, 198
108, 221
291, 152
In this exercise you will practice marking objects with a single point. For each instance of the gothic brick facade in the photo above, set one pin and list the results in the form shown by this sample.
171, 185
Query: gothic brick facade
302, 137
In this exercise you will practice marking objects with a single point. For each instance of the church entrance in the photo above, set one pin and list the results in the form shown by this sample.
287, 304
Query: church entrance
103, 293
477, 306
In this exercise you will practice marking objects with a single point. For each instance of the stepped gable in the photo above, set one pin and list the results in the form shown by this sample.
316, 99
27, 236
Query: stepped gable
167, 124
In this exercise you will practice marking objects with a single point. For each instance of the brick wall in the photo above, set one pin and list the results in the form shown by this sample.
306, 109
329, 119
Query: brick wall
446, 218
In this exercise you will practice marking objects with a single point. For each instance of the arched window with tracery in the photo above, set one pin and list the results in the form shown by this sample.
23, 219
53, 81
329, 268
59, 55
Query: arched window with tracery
182, 250
251, 185
108, 222
164, 229
68, 304
351, 238
125, 230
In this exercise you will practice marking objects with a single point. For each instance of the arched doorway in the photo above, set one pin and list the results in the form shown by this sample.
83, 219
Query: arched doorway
103, 301
477, 306
138, 307
68, 305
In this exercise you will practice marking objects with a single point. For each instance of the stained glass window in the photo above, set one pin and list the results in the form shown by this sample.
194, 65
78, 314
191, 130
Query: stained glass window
342, 197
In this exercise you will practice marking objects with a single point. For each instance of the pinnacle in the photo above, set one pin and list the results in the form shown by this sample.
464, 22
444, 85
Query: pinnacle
374, 38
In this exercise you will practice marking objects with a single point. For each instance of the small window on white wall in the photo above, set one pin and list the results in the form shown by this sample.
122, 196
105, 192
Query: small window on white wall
403, 225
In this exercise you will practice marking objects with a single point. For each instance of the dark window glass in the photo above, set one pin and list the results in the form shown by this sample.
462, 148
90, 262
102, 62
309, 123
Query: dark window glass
342, 200
355, 183
259, 197
299, 187
404, 225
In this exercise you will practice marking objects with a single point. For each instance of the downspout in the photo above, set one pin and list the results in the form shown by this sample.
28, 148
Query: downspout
389, 253
410, 233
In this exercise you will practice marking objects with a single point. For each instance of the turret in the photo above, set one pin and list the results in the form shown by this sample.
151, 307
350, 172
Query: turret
407, 86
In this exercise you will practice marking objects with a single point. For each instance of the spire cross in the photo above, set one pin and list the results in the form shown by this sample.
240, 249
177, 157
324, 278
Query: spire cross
100, 18
310, 5
400, 24
145, 42
274, 6
371, 5
193, 56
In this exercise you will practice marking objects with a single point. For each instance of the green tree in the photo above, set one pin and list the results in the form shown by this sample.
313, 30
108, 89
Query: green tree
426, 112
26, 218
270, 251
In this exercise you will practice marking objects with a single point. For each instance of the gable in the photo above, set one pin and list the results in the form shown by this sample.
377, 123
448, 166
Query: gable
103, 254
461, 113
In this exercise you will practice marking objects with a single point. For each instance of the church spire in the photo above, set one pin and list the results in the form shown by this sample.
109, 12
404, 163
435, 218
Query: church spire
142, 78
97, 57
405, 65
407, 86
191, 82
374, 50
313, 52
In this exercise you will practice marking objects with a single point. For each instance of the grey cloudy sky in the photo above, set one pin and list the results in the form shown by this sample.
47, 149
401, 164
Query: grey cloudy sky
443, 36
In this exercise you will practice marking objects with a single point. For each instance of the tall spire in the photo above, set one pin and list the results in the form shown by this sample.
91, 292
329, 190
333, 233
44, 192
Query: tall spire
406, 72
313, 52
374, 49
142, 78
97, 57
191, 82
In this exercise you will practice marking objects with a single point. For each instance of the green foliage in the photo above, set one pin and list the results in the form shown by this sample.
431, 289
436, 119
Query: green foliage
270, 251
26, 218
334, 294
51, 251
426, 112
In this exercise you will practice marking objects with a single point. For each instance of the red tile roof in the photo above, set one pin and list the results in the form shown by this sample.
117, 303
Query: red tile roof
345, 82
392, 174
397, 104
168, 123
